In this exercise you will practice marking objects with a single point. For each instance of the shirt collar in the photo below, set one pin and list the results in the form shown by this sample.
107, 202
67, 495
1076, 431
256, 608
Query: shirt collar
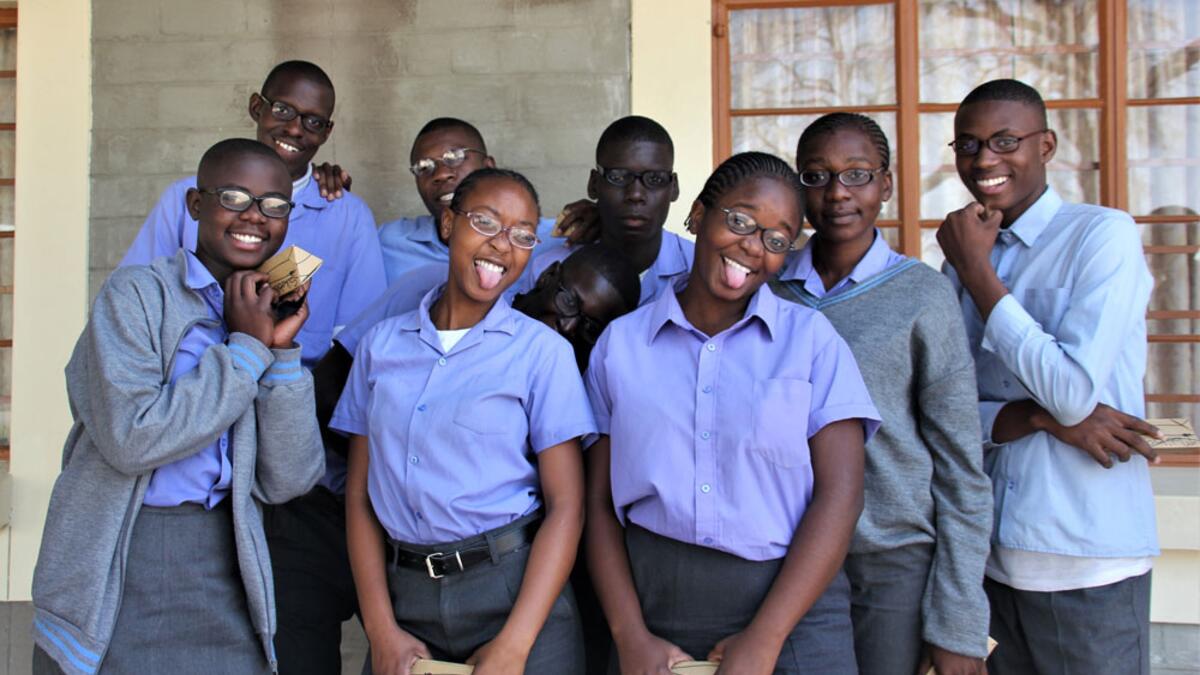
671, 260
1030, 225
873, 262
764, 305
308, 195
500, 318
425, 230
196, 275
303, 181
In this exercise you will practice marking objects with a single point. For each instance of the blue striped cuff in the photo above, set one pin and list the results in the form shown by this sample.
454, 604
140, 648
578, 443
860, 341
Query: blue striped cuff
286, 367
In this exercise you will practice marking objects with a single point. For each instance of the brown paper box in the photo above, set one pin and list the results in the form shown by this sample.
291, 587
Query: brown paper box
430, 667
694, 668
289, 269
1179, 437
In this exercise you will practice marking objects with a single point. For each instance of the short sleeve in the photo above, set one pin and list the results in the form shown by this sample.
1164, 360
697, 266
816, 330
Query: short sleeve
558, 405
163, 232
597, 385
838, 390
351, 414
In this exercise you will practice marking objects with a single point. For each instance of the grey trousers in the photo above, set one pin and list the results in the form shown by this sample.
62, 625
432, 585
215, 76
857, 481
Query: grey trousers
886, 590
183, 607
1092, 631
694, 597
459, 613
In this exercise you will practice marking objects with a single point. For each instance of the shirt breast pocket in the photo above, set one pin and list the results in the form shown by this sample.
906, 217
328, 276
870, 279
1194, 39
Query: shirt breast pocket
780, 431
1047, 306
492, 407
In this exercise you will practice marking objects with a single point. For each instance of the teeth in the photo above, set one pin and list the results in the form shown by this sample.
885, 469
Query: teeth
992, 182
736, 265
246, 238
488, 265
446, 197
287, 146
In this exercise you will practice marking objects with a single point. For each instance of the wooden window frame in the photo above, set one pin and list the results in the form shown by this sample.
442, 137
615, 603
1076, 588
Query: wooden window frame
8, 19
1111, 100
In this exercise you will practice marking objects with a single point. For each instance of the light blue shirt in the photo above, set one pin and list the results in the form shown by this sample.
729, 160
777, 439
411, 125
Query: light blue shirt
203, 477
709, 435
404, 295
669, 271
878, 258
341, 233
408, 243
1070, 334
453, 434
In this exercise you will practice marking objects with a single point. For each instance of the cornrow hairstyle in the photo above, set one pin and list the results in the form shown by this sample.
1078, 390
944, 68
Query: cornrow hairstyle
473, 179
836, 121
439, 123
634, 129
1007, 90
745, 166
302, 69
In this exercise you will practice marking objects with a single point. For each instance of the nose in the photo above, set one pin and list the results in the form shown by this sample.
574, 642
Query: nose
635, 191
752, 243
442, 172
252, 215
294, 127
986, 157
835, 191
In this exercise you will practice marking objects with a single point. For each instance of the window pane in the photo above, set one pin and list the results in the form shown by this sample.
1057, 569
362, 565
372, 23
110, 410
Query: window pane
1171, 368
931, 252
1164, 48
1051, 45
1074, 172
7, 246
1164, 159
7, 153
778, 135
8, 100
814, 56
6, 208
8, 49
1176, 279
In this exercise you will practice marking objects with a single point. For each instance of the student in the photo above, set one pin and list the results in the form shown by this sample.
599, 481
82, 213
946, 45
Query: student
1054, 296
190, 409
917, 558
634, 184
292, 113
445, 151
465, 497
731, 453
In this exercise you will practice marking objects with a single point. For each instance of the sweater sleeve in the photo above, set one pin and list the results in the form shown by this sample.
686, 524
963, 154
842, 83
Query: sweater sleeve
954, 607
291, 457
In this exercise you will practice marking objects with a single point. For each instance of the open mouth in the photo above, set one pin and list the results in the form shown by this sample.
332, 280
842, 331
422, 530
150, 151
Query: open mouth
246, 241
490, 273
991, 185
287, 147
734, 273
446, 198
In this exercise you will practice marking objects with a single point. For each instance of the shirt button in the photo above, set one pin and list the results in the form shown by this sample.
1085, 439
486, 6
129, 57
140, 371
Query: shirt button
705, 435
421, 408
419, 516
413, 460
710, 347
442, 361
1006, 383
708, 540
1012, 485
708, 388
706, 488
224, 443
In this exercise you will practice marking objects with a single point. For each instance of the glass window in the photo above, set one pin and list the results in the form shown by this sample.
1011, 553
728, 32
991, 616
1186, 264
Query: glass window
1163, 144
1164, 48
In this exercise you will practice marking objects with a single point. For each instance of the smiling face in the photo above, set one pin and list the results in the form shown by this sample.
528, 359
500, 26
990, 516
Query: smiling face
482, 267
1009, 182
437, 188
633, 213
227, 240
838, 213
729, 266
295, 144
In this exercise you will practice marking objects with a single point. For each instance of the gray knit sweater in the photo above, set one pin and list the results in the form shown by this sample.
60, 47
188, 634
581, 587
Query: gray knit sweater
924, 478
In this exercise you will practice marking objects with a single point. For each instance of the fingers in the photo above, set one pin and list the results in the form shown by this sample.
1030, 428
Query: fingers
1138, 425
1137, 443
298, 292
1099, 454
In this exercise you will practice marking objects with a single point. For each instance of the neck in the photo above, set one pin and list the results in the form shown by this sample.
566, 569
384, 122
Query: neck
641, 253
455, 311
710, 315
220, 271
1010, 216
835, 261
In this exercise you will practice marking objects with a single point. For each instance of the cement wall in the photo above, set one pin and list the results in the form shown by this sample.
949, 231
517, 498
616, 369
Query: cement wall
541, 79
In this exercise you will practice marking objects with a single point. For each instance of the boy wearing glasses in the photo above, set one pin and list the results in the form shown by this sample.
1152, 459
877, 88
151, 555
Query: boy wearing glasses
1054, 297
633, 185
307, 536
190, 411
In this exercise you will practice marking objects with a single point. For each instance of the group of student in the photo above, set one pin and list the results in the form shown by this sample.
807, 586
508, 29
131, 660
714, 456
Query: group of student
786, 469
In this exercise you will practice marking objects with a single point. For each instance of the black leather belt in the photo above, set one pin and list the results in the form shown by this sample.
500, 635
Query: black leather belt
463, 555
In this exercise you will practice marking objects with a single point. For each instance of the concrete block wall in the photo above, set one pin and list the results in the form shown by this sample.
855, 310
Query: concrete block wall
540, 78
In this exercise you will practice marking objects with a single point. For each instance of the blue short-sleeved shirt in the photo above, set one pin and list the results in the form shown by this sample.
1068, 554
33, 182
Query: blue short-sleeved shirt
408, 243
453, 435
403, 295
710, 434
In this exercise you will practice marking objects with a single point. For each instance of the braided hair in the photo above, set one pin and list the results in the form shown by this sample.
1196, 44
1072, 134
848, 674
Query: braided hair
473, 179
833, 122
745, 166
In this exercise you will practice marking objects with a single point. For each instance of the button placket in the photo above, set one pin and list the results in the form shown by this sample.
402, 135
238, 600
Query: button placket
705, 444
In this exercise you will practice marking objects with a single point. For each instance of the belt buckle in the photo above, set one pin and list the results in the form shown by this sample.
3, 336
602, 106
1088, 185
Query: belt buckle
441, 557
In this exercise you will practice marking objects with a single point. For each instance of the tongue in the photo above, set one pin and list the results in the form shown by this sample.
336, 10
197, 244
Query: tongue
734, 277
488, 278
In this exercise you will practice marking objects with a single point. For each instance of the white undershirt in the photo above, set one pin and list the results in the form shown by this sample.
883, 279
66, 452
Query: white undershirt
302, 182
449, 338
1046, 572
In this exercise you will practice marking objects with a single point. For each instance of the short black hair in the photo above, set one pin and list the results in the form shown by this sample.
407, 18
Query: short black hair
302, 69
224, 152
440, 123
473, 179
745, 166
1006, 90
614, 267
634, 129
836, 121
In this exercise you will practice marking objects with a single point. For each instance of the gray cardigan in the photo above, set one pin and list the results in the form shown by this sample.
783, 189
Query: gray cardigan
129, 420
924, 480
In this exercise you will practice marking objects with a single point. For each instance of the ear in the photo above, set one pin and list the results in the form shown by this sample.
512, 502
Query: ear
695, 217
591, 186
489, 162
447, 224
674, 186
192, 200
885, 180
255, 106
1048, 146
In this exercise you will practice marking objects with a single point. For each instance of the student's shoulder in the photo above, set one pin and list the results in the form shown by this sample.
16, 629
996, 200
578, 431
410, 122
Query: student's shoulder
1100, 223
142, 281
535, 335
796, 321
